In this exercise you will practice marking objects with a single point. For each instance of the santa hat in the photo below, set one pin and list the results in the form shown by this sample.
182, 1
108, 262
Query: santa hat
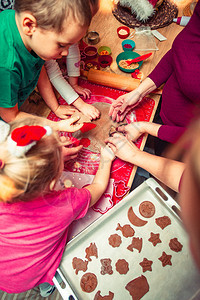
152, 13
143, 9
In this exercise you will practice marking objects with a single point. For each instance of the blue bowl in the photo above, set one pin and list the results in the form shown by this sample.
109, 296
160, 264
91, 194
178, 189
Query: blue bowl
125, 56
128, 45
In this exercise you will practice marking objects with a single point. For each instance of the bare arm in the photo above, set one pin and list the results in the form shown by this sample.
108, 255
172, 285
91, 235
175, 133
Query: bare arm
166, 170
46, 90
12, 113
100, 182
134, 130
124, 103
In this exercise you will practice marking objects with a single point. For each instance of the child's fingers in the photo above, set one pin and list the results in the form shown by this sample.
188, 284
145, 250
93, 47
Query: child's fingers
73, 120
76, 127
88, 93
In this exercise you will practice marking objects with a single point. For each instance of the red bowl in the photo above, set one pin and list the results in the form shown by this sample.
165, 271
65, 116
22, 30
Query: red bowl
105, 60
90, 64
123, 32
90, 52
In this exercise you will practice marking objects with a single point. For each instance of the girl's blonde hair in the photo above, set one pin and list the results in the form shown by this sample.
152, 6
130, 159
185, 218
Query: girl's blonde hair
23, 178
50, 14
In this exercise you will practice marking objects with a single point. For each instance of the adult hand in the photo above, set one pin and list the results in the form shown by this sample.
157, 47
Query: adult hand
122, 147
107, 154
69, 125
132, 131
122, 105
64, 111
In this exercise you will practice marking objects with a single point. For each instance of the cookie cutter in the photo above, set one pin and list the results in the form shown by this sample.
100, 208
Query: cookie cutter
93, 37
114, 129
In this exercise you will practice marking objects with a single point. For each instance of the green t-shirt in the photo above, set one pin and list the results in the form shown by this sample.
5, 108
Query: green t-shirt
19, 69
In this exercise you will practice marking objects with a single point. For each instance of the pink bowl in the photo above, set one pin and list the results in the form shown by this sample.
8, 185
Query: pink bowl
90, 52
105, 60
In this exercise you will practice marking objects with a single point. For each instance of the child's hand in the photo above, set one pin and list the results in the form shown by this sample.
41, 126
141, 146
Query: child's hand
69, 125
122, 147
89, 110
82, 91
107, 154
69, 153
132, 131
64, 111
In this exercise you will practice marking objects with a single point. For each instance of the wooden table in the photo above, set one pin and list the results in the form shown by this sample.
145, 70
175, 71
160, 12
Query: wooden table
106, 25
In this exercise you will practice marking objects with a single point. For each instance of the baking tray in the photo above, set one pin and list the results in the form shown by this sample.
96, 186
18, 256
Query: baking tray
181, 280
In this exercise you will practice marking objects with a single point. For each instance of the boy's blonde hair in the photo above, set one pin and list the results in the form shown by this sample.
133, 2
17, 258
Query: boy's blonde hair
50, 14
24, 178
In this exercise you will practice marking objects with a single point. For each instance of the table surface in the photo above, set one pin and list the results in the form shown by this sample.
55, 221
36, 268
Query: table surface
106, 25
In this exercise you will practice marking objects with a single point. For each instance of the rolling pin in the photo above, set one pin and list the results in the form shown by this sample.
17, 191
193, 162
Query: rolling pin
110, 79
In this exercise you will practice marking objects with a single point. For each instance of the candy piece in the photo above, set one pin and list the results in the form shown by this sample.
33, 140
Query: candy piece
87, 126
74, 142
85, 142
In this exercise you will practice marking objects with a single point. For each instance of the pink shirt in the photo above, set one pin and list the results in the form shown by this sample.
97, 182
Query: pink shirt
33, 236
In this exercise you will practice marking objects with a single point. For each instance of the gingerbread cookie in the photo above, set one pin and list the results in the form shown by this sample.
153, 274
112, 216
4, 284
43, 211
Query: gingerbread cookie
91, 251
147, 209
175, 245
106, 297
165, 259
122, 266
163, 221
135, 220
146, 265
79, 265
126, 230
136, 243
154, 238
88, 282
138, 287
106, 267
115, 240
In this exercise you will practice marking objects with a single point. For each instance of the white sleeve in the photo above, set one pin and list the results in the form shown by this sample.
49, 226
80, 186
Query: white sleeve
73, 61
59, 82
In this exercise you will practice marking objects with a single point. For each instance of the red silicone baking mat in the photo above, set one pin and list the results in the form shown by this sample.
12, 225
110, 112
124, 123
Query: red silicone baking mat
87, 162
159, 263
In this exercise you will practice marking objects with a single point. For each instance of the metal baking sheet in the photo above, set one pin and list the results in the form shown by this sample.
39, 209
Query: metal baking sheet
181, 280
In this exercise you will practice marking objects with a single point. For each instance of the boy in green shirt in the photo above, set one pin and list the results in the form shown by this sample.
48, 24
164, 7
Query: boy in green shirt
35, 32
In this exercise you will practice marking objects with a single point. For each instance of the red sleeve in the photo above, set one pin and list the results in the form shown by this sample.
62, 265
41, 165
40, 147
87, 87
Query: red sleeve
163, 70
170, 133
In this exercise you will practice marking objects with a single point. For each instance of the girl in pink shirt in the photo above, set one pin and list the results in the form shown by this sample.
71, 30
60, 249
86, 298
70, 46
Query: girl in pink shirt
34, 218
